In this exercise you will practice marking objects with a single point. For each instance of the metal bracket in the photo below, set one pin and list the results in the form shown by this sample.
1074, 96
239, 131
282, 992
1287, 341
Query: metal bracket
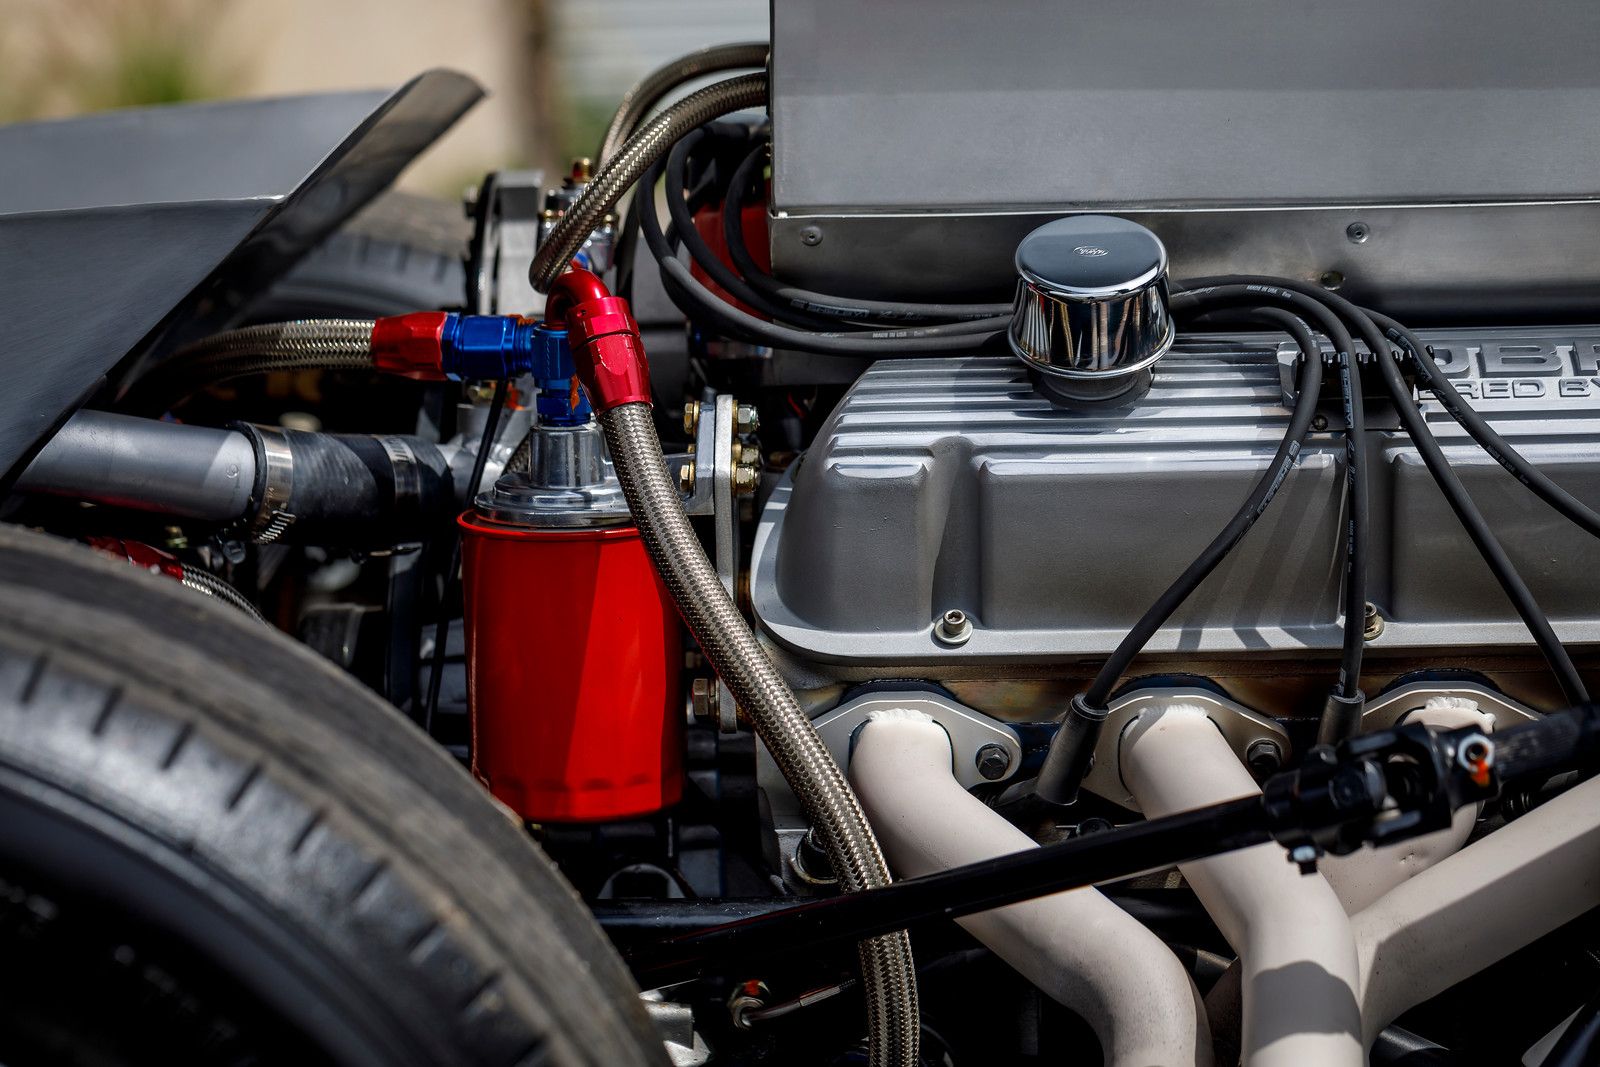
504, 240
969, 731
1390, 709
1241, 728
713, 495
725, 516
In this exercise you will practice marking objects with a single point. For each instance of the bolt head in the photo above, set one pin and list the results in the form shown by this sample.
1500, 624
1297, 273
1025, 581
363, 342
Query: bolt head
686, 477
703, 698
747, 418
1371, 623
992, 761
1264, 757
746, 476
1319, 423
691, 417
953, 627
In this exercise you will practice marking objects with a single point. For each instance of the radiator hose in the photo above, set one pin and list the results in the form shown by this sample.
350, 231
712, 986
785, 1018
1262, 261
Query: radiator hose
352, 490
610, 358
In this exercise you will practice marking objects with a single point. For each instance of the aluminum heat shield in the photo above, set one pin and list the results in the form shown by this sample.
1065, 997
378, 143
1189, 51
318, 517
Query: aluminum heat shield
948, 483
1442, 155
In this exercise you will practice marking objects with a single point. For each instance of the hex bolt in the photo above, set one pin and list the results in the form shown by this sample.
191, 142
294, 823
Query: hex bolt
1263, 757
703, 699
747, 418
811, 236
746, 477
686, 478
953, 627
992, 761
1358, 232
1371, 623
691, 417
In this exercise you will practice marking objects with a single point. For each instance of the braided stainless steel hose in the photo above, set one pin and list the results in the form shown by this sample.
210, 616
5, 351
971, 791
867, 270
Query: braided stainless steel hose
205, 582
888, 976
305, 344
652, 142
653, 87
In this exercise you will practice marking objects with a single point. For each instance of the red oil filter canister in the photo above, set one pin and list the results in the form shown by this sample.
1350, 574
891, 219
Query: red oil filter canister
573, 649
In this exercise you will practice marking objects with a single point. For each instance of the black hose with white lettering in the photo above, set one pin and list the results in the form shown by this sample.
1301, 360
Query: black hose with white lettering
1073, 745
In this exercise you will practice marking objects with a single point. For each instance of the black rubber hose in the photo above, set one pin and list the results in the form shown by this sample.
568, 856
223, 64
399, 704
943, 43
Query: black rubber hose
441, 625
823, 303
1572, 687
1491, 442
699, 303
361, 490
1073, 745
685, 219
683, 226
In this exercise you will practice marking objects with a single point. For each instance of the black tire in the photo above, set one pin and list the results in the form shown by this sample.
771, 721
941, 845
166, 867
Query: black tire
216, 848
400, 253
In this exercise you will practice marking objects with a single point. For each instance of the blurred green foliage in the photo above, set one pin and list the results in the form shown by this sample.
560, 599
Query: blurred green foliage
64, 57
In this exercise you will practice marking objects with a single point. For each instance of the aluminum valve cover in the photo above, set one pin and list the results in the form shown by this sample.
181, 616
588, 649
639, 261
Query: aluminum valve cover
942, 484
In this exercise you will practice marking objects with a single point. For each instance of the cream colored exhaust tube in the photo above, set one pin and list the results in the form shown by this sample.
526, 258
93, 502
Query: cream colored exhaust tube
1365, 875
1291, 932
1480, 905
1077, 947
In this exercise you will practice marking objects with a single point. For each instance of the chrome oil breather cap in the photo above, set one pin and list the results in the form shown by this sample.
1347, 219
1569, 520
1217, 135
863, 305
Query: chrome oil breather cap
1091, 317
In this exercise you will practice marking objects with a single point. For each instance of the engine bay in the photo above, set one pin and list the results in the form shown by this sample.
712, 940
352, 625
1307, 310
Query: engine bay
952, 609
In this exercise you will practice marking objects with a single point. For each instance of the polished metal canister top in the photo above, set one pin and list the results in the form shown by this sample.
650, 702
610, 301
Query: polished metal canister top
1091, 311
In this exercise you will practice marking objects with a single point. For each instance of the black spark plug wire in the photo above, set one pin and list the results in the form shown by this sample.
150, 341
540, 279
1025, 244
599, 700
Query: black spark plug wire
1488, 546
1492, 443
1072, 748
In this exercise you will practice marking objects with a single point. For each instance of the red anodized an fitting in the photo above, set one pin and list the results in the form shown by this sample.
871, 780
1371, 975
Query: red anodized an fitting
410, 345
604, 338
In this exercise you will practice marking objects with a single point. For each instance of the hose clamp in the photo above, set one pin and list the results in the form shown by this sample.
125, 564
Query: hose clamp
273, 517
403, 467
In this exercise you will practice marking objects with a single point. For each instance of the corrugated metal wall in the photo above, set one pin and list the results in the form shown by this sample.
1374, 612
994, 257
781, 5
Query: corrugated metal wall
608, 44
